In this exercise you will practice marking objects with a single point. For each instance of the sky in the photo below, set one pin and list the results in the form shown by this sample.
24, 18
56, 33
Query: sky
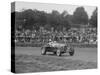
48, 7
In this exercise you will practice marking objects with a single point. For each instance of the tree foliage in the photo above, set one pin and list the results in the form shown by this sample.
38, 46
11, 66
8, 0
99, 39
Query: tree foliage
29, 19
80, 16
34, 19
93, 19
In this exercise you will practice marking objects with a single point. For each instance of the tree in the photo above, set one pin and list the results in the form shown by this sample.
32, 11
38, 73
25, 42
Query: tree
80, 16
55, 12
93, 19
69, 18
64, 13
34, 18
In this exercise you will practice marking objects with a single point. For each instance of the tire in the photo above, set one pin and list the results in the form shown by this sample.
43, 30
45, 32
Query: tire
43, 51
58, 53
71, 53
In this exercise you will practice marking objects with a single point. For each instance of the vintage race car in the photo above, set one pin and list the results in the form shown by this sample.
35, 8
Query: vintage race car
57, 48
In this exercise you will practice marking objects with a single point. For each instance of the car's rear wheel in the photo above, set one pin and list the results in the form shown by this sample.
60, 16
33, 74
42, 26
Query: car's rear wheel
43, 51
58, 53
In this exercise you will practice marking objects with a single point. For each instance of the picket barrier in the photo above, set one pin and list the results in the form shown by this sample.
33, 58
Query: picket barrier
80, 45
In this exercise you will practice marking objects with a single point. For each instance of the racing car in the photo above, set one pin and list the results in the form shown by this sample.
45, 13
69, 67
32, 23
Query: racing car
57, 48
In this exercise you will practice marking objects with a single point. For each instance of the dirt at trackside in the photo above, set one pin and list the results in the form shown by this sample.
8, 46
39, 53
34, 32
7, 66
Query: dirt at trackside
31, 63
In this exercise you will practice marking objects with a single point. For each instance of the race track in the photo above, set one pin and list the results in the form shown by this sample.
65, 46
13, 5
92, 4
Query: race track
83, 54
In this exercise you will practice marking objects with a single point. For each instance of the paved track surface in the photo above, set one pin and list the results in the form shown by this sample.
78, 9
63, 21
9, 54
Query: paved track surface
83, 54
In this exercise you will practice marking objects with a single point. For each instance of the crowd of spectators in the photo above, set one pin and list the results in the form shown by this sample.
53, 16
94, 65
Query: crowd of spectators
83, 35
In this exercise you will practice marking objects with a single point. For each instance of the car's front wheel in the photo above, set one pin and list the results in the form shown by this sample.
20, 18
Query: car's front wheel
43, 51
58, 53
